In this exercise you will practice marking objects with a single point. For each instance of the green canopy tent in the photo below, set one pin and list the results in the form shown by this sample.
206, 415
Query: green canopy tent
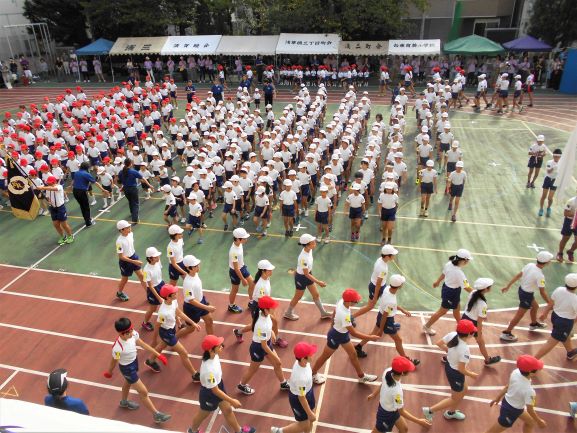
473, 45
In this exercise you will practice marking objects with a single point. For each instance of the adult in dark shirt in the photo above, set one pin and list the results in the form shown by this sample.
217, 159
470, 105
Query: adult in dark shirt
57, 385
259, 68
129, 177
269, 92
82, 183
217, 90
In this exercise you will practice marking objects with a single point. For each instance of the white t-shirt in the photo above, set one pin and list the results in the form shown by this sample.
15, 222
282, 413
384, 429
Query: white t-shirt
288, 197
388, 302
520, 392
125, 245
388, 201
478, 310
454, 276
458, 178
532, 278
323, 204
380, 270
305, 261
175, 250
565, 303
301, 380
153, 273
125, 351
192, 288
427, 176
167, 314
355, 201
262, 329
457, 354
235, 254
56, 198
210, 373
342, 317
391, 397
261, 288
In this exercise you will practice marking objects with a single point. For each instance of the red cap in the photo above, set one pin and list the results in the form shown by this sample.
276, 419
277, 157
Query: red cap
78, 148
106, 159
466, 327
167, 290
401, 364
304, 350
44, 167
33, 172
23, 162
351, 295
528, 363
54, 161
71, 154
51, 180
38, 153
211, 341
267, 302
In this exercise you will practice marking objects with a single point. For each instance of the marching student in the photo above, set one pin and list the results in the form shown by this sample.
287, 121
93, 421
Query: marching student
458, 357
290, 207
128, 261
301, 392
175, 254
476, 312
536, 153
481, 93
194, 219
454, 280
167, 315
355, 206
428, 180
212, 395
567, 230
549, 186
340, 335
261, 346
230, 199
518, 94
124, 353
304, 279
564, 306
389, 202
386, 318
195, 305
237, 270
456, 184
518, 398
532, 279
261, 210
324, 205
503, 91
391, 412
57, 208
170, 213
152, 272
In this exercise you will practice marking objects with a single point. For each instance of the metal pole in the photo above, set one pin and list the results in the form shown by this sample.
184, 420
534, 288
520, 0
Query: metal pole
8, 39
37, 45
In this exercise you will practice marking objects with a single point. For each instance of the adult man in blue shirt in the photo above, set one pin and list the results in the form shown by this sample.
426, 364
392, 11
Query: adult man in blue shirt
217, 90
80, 187
57, 385
129, 178
269, 92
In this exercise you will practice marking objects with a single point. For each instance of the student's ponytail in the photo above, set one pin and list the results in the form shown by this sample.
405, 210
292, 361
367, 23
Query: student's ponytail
477, 294
206, 355
257, 276
255, 316
455, 340
389, 378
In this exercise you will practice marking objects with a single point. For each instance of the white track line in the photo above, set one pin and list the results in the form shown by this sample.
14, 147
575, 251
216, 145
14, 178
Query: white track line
14, 373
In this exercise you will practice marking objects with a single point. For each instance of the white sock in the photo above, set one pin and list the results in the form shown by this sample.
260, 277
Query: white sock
105, 202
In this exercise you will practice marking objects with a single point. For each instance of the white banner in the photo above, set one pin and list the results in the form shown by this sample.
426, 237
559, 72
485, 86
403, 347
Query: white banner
364, 48
398, 47
190, 45
304, 43
142, 45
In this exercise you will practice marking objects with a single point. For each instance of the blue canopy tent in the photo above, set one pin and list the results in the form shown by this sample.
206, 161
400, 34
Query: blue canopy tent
527, 43
99, 47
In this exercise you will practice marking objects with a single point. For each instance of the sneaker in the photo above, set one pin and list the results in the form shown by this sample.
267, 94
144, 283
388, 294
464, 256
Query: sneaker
281, 342
319, 379
572, 354
245, 389
307, 213
429, 331
572, 409
69, 239
453, 218
238, 335
537, 325
284, 386
493, 360
93, 202
326, 315
247, 429
570, 256
275, 430
458, 415
182, 220
148, 326
196, 377
507, 336
415, 361
560, 257
127, 404
360, 352
153, 365
428, 414
327, 240
62, 240
532, 185
160, 417
234, 309
122, 296
200, 241
225, 227
540, 213
367, 378
528, 185
548, 213
426, 213
291, 316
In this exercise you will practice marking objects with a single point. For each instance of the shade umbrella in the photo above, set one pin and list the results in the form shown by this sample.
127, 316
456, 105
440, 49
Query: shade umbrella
473, 44
527, 43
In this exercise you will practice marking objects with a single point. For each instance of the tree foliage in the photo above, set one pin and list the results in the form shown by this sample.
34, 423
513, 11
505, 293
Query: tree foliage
65, 19
554, 21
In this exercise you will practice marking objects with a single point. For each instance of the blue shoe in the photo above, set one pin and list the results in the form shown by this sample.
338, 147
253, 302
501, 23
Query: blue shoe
548, 214
541, 212
572, 409
258, 229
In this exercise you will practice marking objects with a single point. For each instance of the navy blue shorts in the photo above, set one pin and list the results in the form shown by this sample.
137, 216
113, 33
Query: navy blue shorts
525, 299
517, 93
390, 327
257, 353
566, 230
455, 377
335, 338
535, 162
451, 298
238, 205
208, 400
386, 420
503, 93
297, 408
170, 210
168, 336
173, 273
427, 188
451, 166
258, 212
58, 213
168, 162
508, 414
454, 95
302, 282
195, 313
150, 296
227, 208
126, 268
194, 221
288, 210
305, 190
321, 217
457, 190
355, 213
549, 183
179, 152
388, 214
562, 328
372, 290
234, 278
445, 146
130, 371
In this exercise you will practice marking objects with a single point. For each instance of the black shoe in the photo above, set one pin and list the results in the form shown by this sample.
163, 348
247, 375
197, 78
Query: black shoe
360, 352
196, 377
153, 365
493, 360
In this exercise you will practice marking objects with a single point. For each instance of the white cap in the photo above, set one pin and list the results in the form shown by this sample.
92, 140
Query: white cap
396, 280
430, 163
398, 154
100, 169
152, 252
482, 283
464, 254
192, 196
389, 250
260, 190
544, 257
540, 137
306, 238
190, 260
425, 129
287, 182
175, 178
324, 188
227, 184
460, 164
122, 224
292, 173
302, 164
265, 265
390, 185
175, 230
166, 188
240, 233
505, 75
571, 280
355, 187
189, 168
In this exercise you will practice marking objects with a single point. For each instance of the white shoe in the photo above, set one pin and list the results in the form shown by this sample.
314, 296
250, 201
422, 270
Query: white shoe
428, 414
319, 379
429, 331
459, 416
367, 378
66, 199
307, 213
507, 337
327, 240
93, 202
275, 430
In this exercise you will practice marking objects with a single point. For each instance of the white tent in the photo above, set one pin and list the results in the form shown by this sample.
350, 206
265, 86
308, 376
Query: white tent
191, 45
248, 45
142, 45
364, 48
304, 43
416, 47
